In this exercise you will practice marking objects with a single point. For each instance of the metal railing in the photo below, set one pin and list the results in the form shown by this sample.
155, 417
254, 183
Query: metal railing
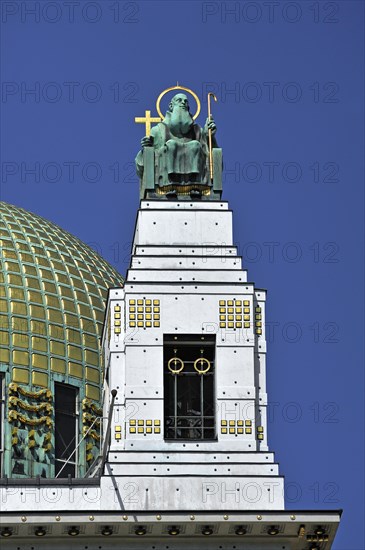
190, 427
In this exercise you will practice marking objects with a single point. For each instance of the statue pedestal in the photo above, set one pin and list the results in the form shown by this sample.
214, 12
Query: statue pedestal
150, 188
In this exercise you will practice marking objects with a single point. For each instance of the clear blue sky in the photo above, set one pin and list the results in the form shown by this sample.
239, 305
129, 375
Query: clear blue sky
292, 136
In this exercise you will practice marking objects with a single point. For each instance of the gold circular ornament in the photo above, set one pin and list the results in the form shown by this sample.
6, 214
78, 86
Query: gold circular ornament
202, 361
177, 87
175, 360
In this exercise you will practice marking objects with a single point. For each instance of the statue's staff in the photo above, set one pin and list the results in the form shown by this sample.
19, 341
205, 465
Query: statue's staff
210, 94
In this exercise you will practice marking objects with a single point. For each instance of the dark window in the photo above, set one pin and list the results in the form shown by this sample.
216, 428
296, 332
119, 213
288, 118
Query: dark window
189, 387
66, 430
2, 416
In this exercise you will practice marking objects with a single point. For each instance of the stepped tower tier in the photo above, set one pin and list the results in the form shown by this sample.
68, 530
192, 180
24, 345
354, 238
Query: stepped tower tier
185, 347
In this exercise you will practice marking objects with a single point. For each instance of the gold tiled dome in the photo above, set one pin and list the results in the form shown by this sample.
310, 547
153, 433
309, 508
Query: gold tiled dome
52, 295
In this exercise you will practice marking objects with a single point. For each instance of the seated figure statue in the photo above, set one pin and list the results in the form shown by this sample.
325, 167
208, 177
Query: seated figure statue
181, 154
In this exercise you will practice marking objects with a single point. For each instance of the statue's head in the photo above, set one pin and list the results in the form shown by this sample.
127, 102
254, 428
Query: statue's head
179, 101
178, 117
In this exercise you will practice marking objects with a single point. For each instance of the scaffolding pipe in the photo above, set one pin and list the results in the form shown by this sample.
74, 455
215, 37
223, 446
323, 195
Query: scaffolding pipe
107, 433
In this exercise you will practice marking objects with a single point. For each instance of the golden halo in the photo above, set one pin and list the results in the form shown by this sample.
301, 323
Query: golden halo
201, 360
175, 360
177, 87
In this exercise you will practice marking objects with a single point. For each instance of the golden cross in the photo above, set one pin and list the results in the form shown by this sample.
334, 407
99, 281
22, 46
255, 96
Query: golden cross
147, 119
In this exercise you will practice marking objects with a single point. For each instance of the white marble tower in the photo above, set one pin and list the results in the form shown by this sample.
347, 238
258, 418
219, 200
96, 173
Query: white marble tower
186, 279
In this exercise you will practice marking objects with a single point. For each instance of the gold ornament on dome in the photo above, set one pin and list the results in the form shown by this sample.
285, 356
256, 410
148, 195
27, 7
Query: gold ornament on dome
16, 402
14, 416
27, 393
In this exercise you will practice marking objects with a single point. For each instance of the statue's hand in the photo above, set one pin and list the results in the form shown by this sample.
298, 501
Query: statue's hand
147, 141
210, 125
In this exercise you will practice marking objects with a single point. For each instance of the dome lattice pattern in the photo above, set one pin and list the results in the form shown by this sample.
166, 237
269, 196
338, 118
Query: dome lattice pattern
52, 294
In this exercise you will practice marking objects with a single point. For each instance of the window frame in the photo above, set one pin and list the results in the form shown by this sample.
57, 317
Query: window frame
197, 426
74, 461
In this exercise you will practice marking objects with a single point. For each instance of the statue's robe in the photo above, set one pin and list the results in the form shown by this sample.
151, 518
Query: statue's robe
179, 161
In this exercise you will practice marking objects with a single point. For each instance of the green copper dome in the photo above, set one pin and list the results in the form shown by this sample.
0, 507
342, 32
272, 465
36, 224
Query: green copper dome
53, 289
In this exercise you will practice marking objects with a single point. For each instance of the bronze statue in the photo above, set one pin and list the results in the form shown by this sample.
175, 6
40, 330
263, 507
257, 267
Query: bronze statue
182, 155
